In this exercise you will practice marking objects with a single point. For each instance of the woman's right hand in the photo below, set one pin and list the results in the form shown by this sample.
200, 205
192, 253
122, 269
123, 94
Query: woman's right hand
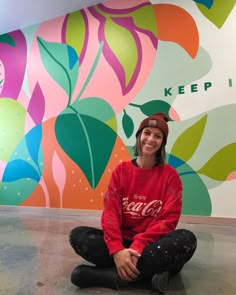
127, 270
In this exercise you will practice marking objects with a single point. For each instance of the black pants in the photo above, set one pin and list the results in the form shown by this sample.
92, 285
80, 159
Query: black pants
169, 253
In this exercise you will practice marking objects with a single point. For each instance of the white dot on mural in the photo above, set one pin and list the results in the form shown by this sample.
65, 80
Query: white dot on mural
86, 188
116, 155
41, 164
15, 153
5, 187
91, 200
28, 178
122, 148
102, 194
74, 185
80, 180
18, 194
120, 161
109, 170
72, 171
28, 159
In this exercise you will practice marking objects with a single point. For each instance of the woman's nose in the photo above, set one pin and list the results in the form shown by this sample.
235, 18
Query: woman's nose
151, 137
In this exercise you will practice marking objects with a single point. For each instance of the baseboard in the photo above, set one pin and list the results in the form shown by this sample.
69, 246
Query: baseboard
211, 220
51, 211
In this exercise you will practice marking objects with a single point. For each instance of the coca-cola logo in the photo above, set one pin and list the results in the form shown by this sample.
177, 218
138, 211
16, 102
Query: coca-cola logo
141, 209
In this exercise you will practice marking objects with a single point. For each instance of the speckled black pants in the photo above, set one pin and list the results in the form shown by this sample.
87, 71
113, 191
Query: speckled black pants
169, 253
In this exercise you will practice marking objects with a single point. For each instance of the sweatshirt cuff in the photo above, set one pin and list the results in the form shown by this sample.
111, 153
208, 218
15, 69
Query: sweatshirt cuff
138, 246
114, 246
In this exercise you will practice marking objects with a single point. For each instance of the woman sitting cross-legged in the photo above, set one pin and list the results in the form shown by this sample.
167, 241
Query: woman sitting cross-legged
138, 240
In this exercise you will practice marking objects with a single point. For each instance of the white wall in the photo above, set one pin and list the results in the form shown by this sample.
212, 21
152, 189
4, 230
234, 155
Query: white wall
17, 14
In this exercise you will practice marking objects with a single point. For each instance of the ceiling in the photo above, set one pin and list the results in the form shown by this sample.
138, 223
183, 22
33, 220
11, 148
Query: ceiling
17, 14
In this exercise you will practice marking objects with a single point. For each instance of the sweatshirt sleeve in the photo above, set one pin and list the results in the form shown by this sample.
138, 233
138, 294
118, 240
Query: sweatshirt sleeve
167, 218
112, 214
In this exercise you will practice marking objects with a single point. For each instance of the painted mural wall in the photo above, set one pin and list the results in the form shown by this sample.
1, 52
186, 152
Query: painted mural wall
74, 89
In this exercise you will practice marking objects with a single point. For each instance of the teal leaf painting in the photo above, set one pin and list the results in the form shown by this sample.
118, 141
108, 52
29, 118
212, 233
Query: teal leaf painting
196, 198
128, 125
94, 107
15, 192
153, 106
207, 3
33, 141
61, 62
131, 151
18, 169
6, 38
187, 143
87, 141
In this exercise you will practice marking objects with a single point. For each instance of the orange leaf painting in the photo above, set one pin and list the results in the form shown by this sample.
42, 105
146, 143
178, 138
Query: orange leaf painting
175, 24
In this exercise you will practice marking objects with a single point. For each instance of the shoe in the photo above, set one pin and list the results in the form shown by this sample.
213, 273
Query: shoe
78, 277
85, 276
160, 282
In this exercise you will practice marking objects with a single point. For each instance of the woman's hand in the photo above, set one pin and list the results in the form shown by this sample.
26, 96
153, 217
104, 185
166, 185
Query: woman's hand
126, 261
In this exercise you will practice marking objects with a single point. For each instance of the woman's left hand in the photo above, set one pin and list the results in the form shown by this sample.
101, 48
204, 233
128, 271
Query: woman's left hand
135, 259
124, 263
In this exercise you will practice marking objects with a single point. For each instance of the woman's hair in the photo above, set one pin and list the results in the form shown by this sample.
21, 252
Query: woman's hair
160, 154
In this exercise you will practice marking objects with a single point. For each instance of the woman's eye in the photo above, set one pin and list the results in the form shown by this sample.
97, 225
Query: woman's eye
158, 136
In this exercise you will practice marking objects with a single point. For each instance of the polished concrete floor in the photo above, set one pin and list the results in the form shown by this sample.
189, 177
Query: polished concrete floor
36, 259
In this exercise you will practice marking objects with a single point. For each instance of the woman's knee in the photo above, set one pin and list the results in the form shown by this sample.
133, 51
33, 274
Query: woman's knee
83, 232
76, 233
82, 239
187, 236
81, 235
181, 239
188, 241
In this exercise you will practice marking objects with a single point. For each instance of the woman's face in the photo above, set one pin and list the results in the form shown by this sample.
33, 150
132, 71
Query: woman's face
151, 140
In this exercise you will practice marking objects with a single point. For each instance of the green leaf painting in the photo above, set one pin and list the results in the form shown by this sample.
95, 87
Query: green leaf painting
187, 143
12, 124
76, 31
124, 52
122, 49
87, 141
218, 12
141, 22
222, 164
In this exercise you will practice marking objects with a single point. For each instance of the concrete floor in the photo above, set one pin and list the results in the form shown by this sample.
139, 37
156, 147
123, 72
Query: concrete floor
36, 258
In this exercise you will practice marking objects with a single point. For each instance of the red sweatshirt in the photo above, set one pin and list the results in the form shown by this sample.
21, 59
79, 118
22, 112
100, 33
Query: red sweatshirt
140, 205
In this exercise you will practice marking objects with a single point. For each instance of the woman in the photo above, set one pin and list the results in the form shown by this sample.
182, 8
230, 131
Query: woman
142, 206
